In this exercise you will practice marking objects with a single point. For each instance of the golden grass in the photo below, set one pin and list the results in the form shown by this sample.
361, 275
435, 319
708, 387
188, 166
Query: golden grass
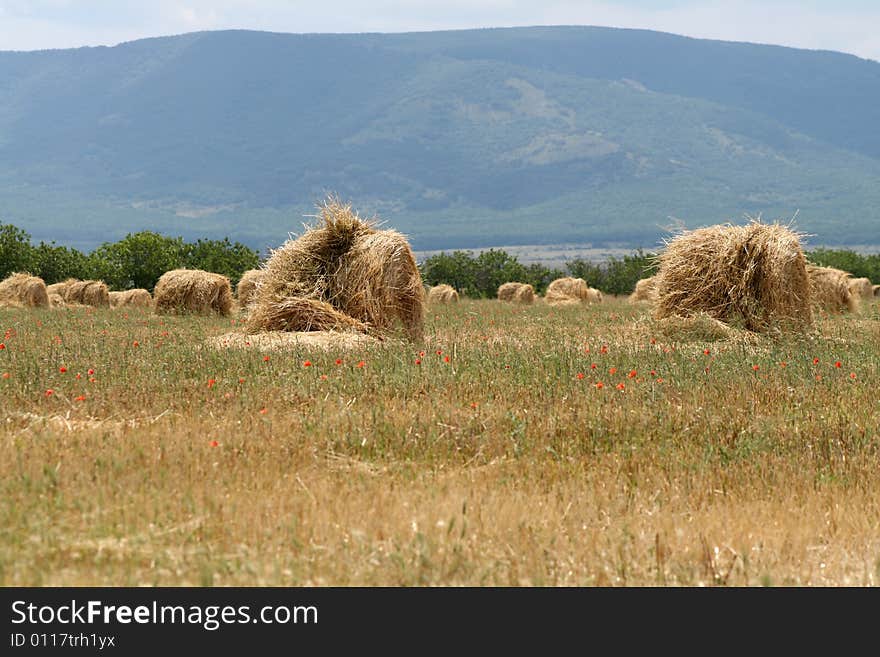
718, 462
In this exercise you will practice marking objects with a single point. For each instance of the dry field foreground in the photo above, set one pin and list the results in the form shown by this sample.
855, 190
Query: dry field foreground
132, 454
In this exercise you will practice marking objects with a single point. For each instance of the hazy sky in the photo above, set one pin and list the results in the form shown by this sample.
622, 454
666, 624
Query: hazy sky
851, 26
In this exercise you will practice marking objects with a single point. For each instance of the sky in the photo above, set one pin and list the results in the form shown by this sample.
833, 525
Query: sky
851, 26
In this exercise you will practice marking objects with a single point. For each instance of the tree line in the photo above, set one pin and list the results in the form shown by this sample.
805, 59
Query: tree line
139, 259
136, 261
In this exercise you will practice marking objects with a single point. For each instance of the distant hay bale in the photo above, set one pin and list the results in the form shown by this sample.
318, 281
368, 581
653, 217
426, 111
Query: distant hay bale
568, 291
514, 292
442, 293
877, 290
137, 298
192, 291
754, 275
56, 300
861, 289
342, 274
830, 291
646, 290
247, 286
84, 293
21, 290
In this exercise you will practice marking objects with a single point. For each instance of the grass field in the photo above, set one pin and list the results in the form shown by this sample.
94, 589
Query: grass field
132, 454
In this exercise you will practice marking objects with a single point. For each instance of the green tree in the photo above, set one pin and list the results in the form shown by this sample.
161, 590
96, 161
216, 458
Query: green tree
221, 257
54, 263
455, 269
16, 252
617, 275
138, 260
867, 266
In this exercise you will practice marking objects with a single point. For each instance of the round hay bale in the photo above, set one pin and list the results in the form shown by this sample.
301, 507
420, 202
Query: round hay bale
830, 290
192, 291
56, 300
84, 293
568, 291
515, 292
861, 289
23, 290
137, 298
442, 293
877, 290
646, 290
342, 274
247, 286
755, 275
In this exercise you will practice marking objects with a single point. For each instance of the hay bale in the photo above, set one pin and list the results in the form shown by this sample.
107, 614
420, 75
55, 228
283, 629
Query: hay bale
247, 286
342, 274
56, 300
137, 298
84, 293
514, 292
754, 275
279, 341
20, 290
442, 293
830, 291
877, 290
646, 290
861, 289
192, 291
569, 291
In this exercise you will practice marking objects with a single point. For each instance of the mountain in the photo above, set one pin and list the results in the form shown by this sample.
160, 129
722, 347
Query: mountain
460, 139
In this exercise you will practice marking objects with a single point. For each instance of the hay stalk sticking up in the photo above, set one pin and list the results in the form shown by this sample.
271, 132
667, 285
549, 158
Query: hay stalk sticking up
342, 274
754, 275
442, 293
193, 291
23, 290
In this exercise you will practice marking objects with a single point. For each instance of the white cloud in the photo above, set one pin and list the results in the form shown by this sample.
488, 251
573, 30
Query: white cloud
30, 24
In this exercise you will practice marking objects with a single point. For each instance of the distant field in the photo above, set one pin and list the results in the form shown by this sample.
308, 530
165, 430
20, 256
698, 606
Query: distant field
132, 454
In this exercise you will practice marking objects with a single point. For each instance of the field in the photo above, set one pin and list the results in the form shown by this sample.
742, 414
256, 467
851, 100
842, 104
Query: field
517, 446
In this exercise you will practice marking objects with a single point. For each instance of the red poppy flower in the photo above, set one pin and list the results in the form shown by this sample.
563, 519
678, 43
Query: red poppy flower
621, 386
653, 373
264, 410
308, 363
815, 361
852, 375
446, 359
62, 369
265, 359
580, 375
50, 392
632, 374
339, 361
211, 383
600, 385
90, 372
706, 351
613, 370
2, 346
756, 367
241, 380
214, 443
783, 364
593, 366
80, 398
361, 363
135, 344
6, 375
837, 365
418, 361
